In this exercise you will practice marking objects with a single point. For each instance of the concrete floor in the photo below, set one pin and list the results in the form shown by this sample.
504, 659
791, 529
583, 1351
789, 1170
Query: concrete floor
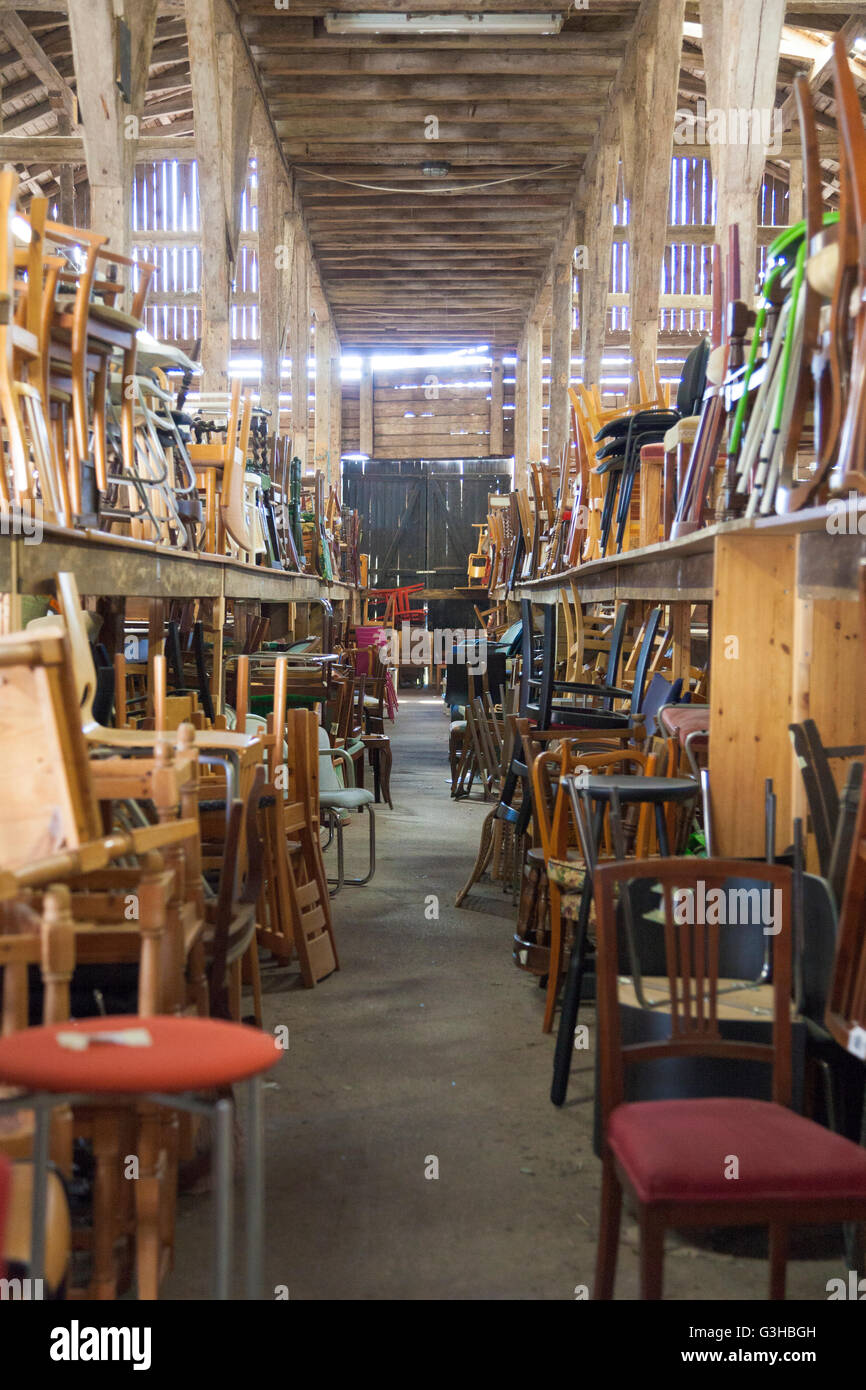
428, 1044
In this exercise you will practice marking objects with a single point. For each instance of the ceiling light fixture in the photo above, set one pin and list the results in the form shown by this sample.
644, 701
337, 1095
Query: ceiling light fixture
436, 168
549, 23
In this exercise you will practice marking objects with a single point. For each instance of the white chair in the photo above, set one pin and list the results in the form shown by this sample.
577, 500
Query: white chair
335, 800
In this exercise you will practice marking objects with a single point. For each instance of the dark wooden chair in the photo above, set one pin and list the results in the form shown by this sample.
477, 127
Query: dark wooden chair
230, 916
673, 1157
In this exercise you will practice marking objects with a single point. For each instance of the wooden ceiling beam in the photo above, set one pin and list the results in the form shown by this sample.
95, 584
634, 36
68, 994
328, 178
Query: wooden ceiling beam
348, 64
294, 109
330, 130
324, 153
529, 88
32, 53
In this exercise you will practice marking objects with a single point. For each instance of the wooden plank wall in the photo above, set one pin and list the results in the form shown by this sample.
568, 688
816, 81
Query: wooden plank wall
435, 413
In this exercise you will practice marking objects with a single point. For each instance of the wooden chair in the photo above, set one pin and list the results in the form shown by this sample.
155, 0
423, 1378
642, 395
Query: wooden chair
671, 1156
220, 466
551, 814
231, 915
43, 941
295, 915
51, 831
89, 333
30, 472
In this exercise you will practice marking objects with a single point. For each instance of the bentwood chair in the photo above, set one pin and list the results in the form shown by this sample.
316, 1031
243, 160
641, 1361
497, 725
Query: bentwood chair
673, 1157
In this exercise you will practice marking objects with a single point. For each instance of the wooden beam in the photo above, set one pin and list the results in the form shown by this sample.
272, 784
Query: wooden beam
110, 128
648, 119
366, 414
212, 125
299, 339
534, 393
754, 27
276, 228
322, 436
562, 320
521, 385
335, 433
595, 278
820, 71
496, 398
33, 54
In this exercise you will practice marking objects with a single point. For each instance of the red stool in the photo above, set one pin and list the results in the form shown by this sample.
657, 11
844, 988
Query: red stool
185, 1057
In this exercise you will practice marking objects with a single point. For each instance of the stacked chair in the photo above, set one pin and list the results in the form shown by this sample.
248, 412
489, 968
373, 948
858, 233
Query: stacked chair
97, 430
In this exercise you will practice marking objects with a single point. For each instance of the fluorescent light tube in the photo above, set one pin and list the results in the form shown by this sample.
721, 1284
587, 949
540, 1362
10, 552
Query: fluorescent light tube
549, 23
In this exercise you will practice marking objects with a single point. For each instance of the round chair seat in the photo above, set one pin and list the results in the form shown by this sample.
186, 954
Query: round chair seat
186, 1054
650, 789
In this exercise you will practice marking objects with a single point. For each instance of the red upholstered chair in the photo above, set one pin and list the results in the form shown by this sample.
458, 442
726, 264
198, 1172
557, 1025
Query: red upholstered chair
181, 1058
674, 1156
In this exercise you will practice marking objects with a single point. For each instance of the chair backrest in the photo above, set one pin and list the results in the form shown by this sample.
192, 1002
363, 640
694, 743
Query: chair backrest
47, 800
83, 666
551, 804
698, 903
616, 640
328, 779
651, 627
240, 883
846, 1006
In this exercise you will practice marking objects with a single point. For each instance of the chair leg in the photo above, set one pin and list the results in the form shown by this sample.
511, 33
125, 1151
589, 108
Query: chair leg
384, 764
652, 1256
255, 976
555, 967
372, 869
335, 827
608, 1231
778, 1261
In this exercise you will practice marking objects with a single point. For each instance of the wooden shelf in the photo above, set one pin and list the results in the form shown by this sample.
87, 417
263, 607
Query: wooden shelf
682, 570
125, 568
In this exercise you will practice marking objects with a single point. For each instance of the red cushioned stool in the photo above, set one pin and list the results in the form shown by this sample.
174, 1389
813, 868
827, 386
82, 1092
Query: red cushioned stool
184, 1057
674, 1157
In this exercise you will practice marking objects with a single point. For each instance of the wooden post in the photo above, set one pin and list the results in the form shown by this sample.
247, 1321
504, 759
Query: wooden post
222, 97
110, 125
323, 393
335, 438
534, 387
647, 107
595, 278
496, 398
300, 344
753, 27
521, 382
366, 408
796, 192
562, 321
276, 231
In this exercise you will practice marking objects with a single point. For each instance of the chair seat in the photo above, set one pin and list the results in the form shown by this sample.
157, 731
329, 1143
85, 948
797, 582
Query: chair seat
682, 720
106, 313
675, 1151
350, 799
657, 790
187, 1054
